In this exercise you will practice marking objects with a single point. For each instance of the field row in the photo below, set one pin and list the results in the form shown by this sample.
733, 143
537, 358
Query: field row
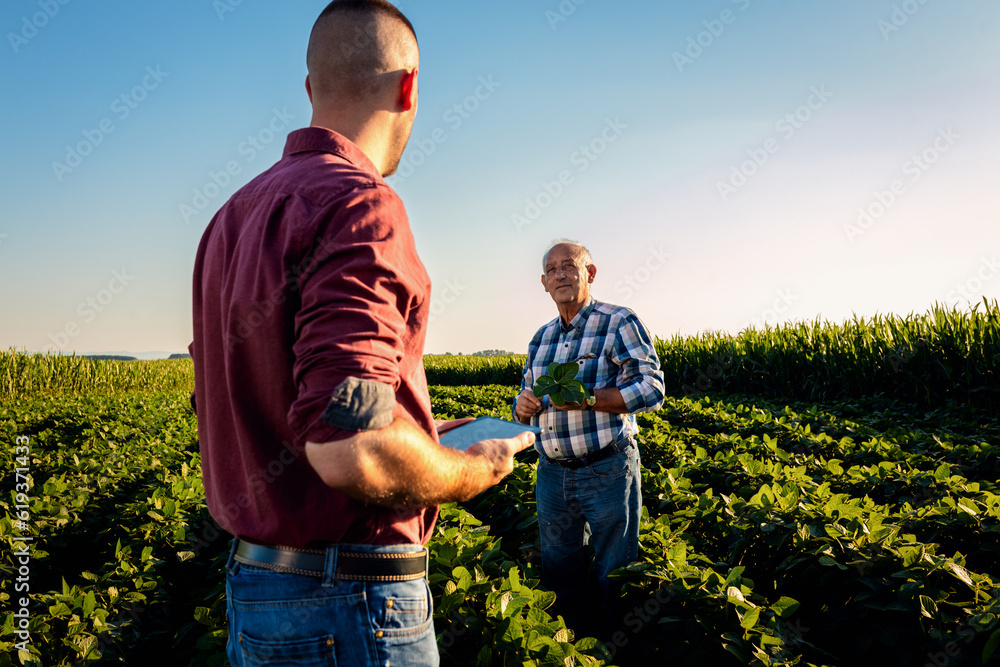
770, 534
946, 357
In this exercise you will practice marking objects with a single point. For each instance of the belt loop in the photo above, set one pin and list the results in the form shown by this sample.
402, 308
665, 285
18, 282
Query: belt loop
330, 566
231, 562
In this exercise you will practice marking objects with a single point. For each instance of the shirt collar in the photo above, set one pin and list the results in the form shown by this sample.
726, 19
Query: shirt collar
323, 140
580, 318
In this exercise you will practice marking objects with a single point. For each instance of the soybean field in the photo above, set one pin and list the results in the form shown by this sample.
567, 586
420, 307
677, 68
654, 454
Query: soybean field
786, 521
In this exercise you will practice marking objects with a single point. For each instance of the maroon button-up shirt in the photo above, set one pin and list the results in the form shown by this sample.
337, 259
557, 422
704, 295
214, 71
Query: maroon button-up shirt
306, 277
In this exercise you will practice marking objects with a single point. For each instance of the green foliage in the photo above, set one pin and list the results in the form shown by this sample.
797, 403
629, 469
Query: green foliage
561, 387
115, 499
443, 369
945, 357
25, 375
845, 532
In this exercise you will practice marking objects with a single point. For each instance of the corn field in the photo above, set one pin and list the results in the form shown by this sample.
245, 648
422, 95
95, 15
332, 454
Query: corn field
25, 375
945, 357
446, 369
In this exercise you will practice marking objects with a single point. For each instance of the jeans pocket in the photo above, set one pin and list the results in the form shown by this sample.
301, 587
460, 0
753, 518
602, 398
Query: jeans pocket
313, 652
401, 611
613, 467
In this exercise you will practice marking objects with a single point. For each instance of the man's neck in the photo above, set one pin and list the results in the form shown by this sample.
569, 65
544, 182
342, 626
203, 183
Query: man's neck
363, 133
570, 310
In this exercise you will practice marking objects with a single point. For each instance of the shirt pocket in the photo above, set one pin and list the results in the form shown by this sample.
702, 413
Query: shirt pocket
593, 365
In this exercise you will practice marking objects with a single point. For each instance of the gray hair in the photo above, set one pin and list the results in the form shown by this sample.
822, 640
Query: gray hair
582, 251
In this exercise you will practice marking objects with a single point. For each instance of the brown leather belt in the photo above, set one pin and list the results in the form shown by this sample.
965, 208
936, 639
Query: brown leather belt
593, 457
350, 565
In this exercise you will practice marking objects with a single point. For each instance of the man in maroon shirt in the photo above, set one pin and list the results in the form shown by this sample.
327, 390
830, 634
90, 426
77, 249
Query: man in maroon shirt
319, 450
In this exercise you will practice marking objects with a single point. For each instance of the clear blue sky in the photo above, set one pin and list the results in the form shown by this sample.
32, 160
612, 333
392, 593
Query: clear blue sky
728, 163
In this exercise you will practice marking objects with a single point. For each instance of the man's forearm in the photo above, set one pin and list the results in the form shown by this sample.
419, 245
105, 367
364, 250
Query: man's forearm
609, 400
397, 465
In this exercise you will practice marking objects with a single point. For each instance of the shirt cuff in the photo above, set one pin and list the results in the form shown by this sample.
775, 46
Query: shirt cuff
360, 405
634, 399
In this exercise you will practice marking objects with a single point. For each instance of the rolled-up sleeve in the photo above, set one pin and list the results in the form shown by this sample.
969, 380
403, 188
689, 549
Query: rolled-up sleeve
640, 379
357, 293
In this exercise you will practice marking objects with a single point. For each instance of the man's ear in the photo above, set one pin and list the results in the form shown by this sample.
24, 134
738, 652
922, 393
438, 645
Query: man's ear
408, 90
591, 273
309, 90
546, 287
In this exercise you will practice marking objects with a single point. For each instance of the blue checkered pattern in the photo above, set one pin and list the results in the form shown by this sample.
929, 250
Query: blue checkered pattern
613, 349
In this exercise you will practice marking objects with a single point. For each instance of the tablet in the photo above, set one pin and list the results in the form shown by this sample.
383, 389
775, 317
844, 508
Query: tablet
484, 428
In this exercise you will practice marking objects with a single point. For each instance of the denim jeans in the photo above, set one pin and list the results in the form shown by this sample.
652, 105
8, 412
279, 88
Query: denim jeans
290, 619
607, 495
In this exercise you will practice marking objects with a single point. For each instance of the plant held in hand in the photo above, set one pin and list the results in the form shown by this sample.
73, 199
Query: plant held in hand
561, 386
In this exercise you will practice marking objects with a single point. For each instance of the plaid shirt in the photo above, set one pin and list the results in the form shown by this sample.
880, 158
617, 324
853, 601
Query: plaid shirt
614, 350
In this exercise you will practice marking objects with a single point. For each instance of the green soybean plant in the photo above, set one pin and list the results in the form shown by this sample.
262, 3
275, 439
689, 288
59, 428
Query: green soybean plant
561, 386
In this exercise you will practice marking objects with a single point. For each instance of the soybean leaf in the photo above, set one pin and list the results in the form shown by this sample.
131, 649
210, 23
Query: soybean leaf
545, 381
545, 390
785, 606
750, 618
927, 606
575, 394
565, 372
89, 603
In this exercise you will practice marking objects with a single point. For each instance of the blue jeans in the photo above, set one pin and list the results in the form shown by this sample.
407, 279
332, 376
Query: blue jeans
607, 495
289, 619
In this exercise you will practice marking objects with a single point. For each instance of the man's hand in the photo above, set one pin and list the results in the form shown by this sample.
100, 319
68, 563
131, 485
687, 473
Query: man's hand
527, 406
498, 455
400, 465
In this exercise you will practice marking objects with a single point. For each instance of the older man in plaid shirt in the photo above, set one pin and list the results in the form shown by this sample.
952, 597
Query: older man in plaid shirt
588, 468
